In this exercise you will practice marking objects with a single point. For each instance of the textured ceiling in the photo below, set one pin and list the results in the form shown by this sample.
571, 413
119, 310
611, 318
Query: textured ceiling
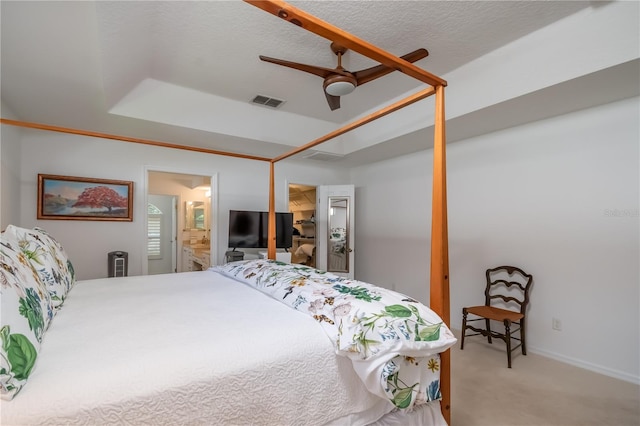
185, 71
213, 46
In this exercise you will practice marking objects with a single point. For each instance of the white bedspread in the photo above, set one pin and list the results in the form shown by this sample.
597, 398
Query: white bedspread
202, 350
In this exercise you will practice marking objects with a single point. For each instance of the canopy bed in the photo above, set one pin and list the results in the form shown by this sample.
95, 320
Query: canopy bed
158, 386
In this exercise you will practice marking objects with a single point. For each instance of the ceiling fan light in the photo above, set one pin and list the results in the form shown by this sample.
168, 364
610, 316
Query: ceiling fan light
340, 88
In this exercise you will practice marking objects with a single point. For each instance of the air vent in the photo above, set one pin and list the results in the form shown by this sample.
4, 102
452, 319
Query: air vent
322, 156
267, 101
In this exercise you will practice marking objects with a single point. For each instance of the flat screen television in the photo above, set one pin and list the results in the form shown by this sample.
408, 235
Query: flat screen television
250, 229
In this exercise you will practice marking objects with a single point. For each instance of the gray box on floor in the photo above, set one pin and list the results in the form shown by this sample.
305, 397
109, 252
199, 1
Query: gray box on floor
118, 264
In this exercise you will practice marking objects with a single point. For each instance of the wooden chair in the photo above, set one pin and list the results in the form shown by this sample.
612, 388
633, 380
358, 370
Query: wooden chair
506, 300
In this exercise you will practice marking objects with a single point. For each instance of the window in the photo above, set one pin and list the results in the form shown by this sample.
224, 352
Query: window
154, 232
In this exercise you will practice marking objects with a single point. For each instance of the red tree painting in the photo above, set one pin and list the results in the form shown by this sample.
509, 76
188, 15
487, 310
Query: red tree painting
100, 196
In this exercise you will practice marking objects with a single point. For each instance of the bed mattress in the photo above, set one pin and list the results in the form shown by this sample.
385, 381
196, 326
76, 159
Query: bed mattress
189, 348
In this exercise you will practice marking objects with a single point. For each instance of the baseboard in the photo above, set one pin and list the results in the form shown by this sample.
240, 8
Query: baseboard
600, 369
587, 365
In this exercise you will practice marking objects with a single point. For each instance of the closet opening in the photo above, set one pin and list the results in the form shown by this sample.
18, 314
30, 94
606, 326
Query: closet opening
302, 203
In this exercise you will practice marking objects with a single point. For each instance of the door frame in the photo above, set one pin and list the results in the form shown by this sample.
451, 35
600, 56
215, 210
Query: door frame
321, 220
323, 192
213, 209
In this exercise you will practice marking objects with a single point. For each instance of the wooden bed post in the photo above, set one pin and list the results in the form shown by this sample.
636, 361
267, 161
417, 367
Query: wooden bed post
271, 244
439, 283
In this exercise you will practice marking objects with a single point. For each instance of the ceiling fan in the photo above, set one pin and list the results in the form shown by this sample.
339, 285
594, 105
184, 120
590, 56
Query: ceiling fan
338, 81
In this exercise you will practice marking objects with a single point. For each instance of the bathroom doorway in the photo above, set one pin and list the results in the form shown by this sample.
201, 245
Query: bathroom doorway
184, 190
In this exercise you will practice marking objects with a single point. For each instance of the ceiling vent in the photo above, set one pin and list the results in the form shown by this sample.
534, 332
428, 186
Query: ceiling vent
267, 101
322, 156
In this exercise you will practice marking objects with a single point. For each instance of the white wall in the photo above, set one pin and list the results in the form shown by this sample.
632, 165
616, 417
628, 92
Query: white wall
242, 184
9, 171
558, 197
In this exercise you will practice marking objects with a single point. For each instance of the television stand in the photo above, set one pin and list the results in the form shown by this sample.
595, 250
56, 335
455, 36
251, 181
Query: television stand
233, 256
281, 256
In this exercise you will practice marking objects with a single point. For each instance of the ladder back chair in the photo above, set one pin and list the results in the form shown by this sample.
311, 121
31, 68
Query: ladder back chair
506, 300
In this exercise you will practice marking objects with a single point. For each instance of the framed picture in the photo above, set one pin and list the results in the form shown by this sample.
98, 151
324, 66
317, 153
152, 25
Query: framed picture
77, 198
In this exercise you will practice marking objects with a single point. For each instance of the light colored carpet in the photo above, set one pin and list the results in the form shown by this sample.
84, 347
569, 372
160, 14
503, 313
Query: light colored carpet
536, 391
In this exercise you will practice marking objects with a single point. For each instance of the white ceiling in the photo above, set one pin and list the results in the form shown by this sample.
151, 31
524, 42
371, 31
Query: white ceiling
184, 72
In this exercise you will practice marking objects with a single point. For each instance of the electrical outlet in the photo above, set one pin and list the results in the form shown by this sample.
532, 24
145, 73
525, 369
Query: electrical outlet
556, 324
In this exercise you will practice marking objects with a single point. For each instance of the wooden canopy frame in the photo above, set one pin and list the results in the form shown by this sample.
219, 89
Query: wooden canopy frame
439, 282
439, 275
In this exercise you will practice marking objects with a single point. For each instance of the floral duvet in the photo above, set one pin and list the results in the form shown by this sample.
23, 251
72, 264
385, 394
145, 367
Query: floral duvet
393, 341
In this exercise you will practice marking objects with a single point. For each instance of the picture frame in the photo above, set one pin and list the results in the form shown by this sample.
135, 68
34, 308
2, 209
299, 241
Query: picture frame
80, 198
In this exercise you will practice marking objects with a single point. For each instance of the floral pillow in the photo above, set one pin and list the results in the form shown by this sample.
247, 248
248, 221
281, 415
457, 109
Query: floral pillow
47, 257
26, 314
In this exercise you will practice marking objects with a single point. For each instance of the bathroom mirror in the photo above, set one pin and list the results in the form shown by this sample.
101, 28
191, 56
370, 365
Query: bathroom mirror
338, 244
195, 215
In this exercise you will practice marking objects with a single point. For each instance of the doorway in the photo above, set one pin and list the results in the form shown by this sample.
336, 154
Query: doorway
302, 203
186, 228
324, 216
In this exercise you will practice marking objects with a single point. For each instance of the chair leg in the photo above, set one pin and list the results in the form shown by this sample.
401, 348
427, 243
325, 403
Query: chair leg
488, 326
522, 337
507, 333
464, 327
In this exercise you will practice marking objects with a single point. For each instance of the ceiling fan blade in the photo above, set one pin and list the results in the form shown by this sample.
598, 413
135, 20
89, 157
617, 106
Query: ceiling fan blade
334, 101
312, 69
366, 75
